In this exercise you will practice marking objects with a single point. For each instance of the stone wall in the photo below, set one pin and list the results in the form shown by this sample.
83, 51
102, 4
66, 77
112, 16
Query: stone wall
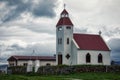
63, 69
56, 70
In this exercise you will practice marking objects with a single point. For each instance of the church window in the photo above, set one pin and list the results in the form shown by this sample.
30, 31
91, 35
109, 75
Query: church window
67, 40
88, 58
25, 64
67, 56
100, 58
68, 27
48, 64
59, 28
59, 40
64, 15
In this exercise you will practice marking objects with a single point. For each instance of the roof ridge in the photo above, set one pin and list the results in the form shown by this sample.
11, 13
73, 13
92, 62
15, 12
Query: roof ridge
85, 34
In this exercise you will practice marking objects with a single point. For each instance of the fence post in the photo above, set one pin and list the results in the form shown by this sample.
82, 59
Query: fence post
106, 68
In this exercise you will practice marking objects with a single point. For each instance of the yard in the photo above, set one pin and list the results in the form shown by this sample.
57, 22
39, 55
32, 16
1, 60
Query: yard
75, 76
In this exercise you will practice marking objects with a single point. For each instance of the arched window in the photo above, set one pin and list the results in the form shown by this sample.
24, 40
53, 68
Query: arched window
88, 58
100, 58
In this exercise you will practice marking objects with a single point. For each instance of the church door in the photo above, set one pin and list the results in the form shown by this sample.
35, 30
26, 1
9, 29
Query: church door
59, 59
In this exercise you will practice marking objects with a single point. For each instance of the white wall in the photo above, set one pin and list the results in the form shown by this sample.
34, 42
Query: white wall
42, 63
74, 53
21, 62
81, 57
12, 63
64, 48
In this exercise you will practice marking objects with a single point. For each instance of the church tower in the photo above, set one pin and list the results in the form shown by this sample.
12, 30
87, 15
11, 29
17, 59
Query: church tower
64, 36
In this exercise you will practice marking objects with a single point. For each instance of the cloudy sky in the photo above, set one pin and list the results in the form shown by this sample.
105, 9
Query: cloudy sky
27, 25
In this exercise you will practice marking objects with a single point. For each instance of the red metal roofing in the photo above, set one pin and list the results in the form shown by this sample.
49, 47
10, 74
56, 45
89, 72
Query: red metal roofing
43, 58
90, 42
64, 21
64, 12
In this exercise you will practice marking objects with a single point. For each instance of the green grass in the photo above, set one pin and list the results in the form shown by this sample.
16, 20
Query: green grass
79, 76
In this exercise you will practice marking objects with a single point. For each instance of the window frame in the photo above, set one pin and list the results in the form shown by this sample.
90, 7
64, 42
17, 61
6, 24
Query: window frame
88, 58
68, 27
100, 58
59, 28
59, 40
68, 40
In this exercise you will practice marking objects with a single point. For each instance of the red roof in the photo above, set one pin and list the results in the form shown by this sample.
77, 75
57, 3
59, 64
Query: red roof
90, 42
42, 58
64, 12
64, 21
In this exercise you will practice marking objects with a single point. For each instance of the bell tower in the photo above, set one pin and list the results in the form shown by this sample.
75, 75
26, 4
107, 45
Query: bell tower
64, 36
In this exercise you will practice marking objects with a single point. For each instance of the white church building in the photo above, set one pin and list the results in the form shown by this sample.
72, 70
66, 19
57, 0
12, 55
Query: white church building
79, 49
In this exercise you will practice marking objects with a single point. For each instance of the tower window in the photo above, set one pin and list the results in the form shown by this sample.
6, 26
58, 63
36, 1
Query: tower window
100, 58
59, 40
67, 40
64, 15
68, 27
67, 56
60, 28
88, 58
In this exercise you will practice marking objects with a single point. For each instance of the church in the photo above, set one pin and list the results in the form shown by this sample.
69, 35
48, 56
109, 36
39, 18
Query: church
79, 49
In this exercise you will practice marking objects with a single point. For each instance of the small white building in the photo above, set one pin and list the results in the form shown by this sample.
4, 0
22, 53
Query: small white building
79, 49
34, 61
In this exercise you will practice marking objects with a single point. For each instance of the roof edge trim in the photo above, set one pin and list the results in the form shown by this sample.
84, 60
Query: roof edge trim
75, 43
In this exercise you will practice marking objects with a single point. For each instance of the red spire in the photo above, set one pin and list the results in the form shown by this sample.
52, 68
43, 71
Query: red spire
64, 20
64, 12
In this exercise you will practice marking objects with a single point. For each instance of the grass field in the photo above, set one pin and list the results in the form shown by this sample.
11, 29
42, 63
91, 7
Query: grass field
76, 76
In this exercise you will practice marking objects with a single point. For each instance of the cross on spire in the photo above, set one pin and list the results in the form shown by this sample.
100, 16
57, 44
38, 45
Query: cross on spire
100, 32
64, 5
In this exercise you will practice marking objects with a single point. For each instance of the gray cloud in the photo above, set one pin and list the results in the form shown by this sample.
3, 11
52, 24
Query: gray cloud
45, 7
16, 49
115, 48
41, 8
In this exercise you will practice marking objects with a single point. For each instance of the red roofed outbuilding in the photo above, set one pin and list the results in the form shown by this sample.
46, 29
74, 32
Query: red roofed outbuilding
23, 60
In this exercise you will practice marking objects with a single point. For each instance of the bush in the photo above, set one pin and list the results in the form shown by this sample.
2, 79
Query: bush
17, 69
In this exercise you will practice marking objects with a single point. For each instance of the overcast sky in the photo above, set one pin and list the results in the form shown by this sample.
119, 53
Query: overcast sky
27, 25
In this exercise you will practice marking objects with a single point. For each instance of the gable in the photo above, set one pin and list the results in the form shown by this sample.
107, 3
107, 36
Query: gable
12, 58
90, 42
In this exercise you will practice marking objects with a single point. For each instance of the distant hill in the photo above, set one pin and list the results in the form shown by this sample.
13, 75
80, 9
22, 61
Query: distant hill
117, 62
3, 68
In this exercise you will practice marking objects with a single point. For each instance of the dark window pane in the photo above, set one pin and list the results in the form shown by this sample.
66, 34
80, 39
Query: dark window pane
67, 40
100, 59
68, 27
88, 58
